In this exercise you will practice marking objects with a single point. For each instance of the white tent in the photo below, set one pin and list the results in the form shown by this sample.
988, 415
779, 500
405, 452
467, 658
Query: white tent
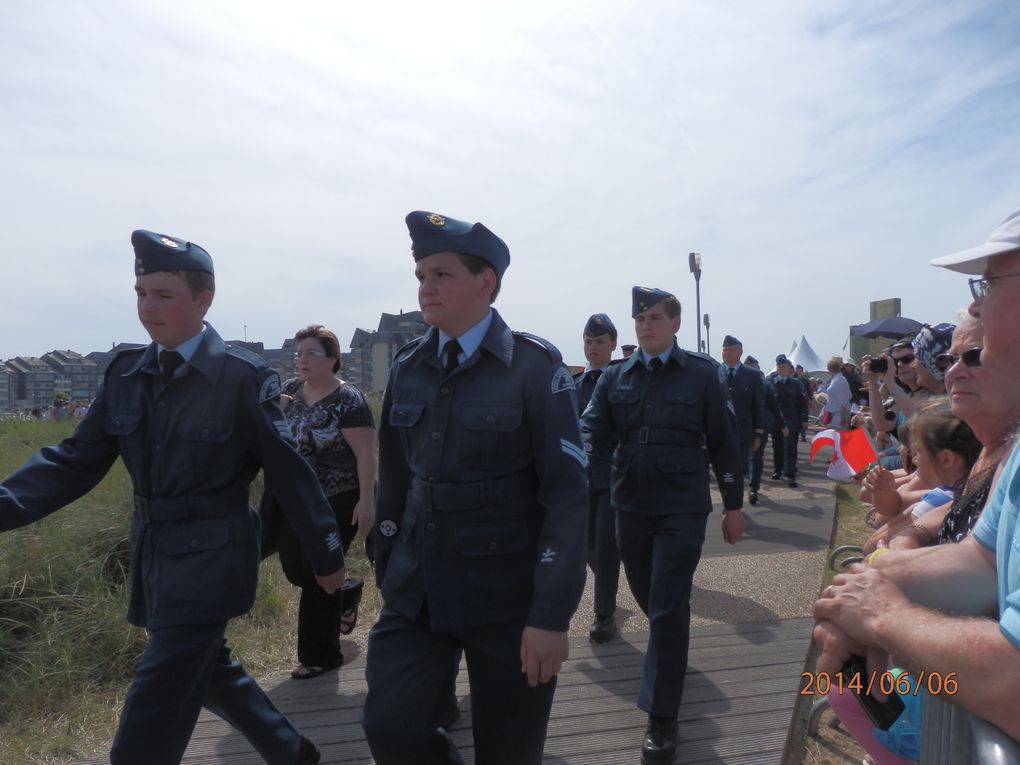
805, 355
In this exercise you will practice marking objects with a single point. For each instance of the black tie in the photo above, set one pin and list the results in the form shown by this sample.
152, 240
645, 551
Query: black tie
451, 351
168, 363
731, 373
655, 364
595, 374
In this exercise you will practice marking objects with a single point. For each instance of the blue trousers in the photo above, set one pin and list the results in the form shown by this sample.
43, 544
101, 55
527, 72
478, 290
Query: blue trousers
758, 462
410, 671
660, 554
182, 670
603, 554
784, 450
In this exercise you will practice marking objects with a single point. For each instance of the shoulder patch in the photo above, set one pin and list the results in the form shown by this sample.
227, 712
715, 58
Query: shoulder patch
270, 389
545, 345
562, 380
245, 355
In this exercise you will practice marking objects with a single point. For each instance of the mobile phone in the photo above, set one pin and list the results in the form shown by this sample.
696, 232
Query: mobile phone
882, 713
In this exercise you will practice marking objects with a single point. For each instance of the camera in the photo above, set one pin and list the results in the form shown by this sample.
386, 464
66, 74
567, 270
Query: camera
879, 365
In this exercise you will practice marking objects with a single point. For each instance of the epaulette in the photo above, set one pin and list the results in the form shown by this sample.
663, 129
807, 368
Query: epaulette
542, 343
614, 362
404, 351
245, 355
703, 356
123, 353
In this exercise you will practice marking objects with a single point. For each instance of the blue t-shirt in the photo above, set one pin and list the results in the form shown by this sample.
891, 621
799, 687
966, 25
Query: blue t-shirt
998, 530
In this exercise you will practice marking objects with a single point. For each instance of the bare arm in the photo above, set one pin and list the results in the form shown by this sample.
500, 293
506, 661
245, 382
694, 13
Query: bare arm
362, 443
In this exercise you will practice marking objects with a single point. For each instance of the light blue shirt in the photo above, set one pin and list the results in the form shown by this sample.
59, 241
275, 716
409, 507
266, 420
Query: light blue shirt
469, 341
997, 529
186, 349
647, 360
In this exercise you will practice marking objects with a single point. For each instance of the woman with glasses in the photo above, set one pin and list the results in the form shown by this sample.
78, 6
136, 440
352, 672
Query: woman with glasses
335, 431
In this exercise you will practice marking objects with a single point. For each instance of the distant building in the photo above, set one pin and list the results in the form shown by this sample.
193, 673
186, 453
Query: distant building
103, 358
8, 389
35, 382
77, 377
372, 352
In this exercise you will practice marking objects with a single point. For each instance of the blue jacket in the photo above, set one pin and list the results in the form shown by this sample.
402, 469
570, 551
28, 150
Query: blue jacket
747, 392
482, 504
670, 426
191, 447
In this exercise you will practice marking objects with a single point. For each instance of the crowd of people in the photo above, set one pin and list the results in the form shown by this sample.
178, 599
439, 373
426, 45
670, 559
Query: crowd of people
500, 476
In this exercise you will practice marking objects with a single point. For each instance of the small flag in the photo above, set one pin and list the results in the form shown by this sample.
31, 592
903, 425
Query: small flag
852, 452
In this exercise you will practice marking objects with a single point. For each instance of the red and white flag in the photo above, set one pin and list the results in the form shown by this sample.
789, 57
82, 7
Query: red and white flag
852, 452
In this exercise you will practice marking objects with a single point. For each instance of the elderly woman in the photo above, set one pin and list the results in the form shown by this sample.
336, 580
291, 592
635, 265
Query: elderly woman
335, 432
930, 347
982, 397
838, 394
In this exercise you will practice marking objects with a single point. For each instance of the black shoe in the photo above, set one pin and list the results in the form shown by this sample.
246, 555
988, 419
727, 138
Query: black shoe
308, 753
793, 482
660, 741
776, 476
752, 497
452, 714
602, 629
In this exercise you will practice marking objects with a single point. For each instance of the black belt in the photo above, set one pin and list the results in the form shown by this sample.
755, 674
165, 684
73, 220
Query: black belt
647, 435
454, 497
158, 509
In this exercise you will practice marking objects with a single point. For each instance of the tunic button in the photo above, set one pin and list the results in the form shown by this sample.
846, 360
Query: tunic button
444, 390
489, 418
493, 546
194, 543
205, 432
435, 436
430, 526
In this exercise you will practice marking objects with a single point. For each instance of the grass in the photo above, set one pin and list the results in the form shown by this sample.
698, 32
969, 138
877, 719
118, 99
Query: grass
67, 654
834, 746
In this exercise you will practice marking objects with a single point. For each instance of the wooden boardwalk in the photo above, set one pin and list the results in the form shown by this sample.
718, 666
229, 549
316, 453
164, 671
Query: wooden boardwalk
741, 691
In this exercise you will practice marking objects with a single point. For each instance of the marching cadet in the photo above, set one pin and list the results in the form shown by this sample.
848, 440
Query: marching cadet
193, 420
792, 408
603, 556
747, 392
480, 517
669, 411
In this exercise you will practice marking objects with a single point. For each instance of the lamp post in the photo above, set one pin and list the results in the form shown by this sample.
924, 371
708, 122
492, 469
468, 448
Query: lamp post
694, 261
708, 337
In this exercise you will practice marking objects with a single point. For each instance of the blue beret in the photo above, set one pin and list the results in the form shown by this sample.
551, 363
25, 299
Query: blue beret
731, 340
646, 297
781, 359
749, 359
432, 233
159, 252
599, 324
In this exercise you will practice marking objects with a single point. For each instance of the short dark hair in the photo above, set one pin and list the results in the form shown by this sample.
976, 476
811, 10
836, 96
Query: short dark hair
476, 265
671, 306
197, 281
326, 339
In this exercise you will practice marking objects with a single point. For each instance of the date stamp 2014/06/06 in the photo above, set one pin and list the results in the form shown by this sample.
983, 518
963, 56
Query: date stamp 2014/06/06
821, 683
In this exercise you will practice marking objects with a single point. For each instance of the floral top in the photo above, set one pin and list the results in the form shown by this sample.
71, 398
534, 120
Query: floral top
317, 428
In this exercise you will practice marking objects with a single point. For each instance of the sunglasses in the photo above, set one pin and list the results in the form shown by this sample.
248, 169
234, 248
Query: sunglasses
970, 358
908, 359
310, 354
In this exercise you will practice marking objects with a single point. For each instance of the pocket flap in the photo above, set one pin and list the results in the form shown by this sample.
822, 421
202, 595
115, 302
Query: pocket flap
682, 398
678, 465
121, 423
208, 430
194, 536
622, 397
404, 414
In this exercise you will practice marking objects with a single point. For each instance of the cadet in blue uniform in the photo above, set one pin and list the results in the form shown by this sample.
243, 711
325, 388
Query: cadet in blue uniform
747, 392
480, 517
193, 420
792, 406
670, 413
603, 555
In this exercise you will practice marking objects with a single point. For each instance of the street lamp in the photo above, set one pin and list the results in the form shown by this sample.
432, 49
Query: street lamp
694, 261
708, 337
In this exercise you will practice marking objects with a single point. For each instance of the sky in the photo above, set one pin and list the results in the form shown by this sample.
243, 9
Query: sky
817, 155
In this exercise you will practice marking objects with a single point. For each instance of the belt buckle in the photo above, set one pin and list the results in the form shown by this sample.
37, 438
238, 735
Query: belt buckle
642, 437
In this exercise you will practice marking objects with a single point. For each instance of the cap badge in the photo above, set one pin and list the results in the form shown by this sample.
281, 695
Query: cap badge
168, 242
437, 220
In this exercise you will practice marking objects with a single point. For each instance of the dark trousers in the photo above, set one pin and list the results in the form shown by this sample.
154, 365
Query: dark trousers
784, 450
745, 457
603, 555
182, 670
410, 670
758, 463
318, 613
660, 554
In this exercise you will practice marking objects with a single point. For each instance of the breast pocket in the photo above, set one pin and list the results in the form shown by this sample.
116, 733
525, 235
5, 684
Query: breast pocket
683, 411
624, 406
404, 416
203, 443
489, 429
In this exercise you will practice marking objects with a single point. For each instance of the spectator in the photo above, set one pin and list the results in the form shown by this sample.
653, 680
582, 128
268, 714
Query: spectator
837, 404
930, 344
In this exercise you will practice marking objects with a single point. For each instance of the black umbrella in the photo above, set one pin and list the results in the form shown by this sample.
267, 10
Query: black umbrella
893, 327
